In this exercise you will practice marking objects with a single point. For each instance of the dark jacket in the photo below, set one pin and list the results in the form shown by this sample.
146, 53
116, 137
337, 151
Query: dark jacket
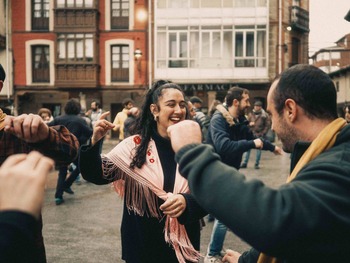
262, 122
143, 236
76, 125
230, 142
203, 121
17, 237
307, 220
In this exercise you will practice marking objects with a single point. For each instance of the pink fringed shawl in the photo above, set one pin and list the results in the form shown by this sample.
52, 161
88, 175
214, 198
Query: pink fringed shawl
139, 185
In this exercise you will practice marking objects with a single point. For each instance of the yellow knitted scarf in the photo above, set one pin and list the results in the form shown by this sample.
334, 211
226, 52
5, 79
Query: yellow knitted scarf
2, 120
323, 142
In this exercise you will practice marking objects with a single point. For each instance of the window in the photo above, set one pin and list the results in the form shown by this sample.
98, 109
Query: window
178, 50
120, 63
40, 15
40, 64
74, 3
211, 47
250, 47
75, 48
120, 14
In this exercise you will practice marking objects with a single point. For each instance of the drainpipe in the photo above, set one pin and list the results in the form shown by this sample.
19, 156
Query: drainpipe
279, 36
7, 49
149, 44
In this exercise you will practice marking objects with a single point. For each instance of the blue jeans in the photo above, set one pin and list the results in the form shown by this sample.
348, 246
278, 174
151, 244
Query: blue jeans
217, 238
247, 155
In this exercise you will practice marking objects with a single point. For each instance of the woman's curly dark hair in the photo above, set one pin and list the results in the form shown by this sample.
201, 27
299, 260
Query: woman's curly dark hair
145, 123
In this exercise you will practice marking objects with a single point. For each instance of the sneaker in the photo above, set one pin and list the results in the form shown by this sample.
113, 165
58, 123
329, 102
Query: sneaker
68, 190
78, 180
256, 166
213, 259
211, 218
243, 165
59, 200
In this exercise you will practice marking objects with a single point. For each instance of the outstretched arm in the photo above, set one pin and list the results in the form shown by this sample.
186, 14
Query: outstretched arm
55, 142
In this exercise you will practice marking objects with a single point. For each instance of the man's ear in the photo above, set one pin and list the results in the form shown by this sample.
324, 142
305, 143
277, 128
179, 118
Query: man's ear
291, 109
235, 102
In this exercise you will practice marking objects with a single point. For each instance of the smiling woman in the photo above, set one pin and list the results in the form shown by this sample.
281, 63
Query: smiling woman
143, 170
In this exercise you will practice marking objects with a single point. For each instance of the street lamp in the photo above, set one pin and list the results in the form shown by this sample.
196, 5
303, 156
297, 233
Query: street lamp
138, 55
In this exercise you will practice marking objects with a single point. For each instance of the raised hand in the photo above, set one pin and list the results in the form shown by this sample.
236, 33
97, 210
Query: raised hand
101, 127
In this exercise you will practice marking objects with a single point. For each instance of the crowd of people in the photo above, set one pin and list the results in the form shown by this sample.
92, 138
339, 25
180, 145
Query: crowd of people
166, 178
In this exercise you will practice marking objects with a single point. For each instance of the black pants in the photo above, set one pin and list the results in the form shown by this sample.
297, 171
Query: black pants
63, 182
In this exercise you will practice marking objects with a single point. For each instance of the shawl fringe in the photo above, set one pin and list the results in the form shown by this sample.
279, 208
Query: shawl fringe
140, 199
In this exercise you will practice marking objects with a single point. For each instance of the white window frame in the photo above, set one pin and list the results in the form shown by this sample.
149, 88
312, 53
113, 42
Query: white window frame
108, 45
28, 47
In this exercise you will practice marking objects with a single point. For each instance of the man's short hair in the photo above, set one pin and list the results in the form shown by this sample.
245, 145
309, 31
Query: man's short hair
72, 107
2, 73
235, 93
126, 101
311, 88
195, 99
258, 103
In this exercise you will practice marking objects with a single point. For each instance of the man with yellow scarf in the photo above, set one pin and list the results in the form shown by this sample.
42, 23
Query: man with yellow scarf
308, 218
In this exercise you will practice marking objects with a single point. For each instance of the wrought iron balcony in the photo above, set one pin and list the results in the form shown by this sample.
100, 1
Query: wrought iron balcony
299, 19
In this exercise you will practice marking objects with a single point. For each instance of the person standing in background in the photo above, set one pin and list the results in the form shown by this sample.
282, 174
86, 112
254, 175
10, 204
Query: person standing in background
130, 121
95, 112
202, 119
45, 114
78, 126
121, 117
259, 123
191, 111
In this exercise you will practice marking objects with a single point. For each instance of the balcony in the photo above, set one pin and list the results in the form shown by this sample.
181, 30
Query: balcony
77, 75
76, 20
299, 19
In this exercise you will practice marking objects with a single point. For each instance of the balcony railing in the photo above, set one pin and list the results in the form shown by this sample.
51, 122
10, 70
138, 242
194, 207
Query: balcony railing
299, 19
77, 75
74, 20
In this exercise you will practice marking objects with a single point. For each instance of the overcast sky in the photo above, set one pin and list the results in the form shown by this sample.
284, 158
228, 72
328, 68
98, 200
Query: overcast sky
327, 23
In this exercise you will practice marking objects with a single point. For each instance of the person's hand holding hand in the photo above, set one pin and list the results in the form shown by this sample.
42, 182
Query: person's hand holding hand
101, 127
183, 133
174, 206
22, 182
28, 127
258, 143
278, 150
231, 256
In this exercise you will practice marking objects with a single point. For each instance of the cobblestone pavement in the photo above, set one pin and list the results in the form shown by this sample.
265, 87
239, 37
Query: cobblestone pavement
86, 228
